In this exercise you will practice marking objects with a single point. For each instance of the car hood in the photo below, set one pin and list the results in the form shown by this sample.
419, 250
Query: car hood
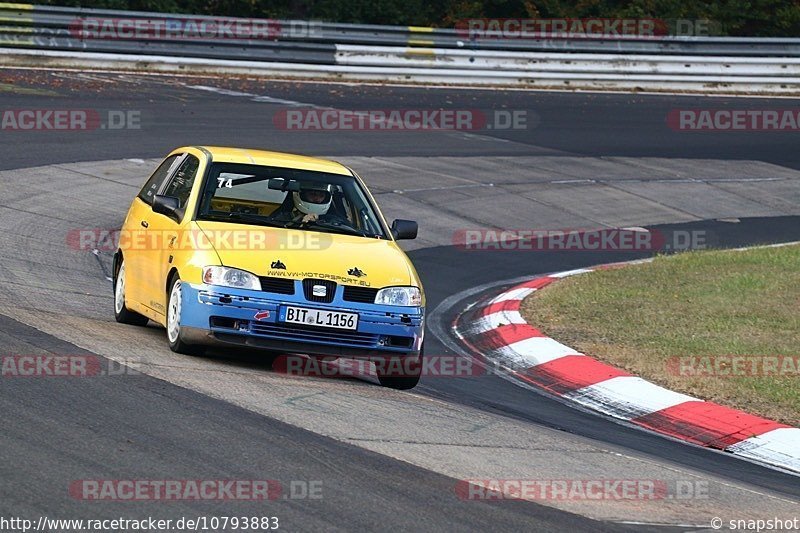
307, 254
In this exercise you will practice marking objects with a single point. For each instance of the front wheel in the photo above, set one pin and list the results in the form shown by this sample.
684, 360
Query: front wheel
174, 306
121, 313
401, 376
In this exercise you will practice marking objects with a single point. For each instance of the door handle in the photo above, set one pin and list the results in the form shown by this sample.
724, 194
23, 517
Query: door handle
145, 224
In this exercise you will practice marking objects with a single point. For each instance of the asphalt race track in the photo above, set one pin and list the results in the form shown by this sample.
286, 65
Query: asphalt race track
382, 458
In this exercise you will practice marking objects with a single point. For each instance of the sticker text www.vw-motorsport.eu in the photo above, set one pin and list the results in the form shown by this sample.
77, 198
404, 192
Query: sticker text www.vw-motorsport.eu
317, 275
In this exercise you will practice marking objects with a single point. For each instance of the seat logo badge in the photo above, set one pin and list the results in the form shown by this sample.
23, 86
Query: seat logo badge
356, 272
319, 290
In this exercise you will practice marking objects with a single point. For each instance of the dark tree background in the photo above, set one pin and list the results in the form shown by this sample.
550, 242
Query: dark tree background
757, 18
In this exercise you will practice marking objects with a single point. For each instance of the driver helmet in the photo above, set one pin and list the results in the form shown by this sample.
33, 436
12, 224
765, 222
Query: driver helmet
313, 198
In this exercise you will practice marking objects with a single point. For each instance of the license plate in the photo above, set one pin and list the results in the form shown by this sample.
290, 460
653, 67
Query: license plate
320, 318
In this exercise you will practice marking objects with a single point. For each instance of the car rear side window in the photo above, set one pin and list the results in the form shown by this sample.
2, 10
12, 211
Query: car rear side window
180, 186
153, 185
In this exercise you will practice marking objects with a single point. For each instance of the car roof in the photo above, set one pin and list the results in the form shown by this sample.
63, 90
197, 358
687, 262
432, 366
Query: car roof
223, 154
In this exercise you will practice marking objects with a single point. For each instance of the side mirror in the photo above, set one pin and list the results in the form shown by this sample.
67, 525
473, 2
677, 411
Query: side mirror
168, 206
404, 229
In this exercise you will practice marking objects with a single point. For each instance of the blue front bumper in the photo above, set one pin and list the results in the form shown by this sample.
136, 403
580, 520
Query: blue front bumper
222, 315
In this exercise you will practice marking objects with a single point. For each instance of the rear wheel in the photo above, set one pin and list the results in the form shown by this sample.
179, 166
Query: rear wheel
174, 306
121, 313
405, 379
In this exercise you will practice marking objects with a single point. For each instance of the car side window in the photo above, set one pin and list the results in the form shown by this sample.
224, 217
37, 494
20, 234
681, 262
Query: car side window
180, 186
153, 185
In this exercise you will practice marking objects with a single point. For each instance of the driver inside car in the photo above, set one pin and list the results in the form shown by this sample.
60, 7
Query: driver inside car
311, 203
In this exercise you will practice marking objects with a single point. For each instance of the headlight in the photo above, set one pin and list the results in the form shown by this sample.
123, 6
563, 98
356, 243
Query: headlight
401, 296
230, 277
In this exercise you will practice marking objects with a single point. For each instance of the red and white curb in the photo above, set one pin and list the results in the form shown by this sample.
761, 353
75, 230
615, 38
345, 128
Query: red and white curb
497, 331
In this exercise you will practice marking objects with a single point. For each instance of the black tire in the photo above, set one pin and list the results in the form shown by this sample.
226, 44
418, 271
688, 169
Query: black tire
121, 313
412, 371
176, 343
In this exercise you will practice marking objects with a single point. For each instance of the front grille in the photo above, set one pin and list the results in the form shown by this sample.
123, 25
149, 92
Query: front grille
277, 285
308, 288
359, 294
304, 334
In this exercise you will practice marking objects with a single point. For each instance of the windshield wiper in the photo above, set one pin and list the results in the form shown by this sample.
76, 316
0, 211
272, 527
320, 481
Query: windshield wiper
322, 226
347, 230
258, 220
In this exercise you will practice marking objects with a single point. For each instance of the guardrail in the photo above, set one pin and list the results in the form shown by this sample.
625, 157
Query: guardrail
75, 37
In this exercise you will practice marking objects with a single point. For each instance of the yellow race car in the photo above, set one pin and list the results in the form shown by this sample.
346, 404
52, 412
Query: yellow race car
234, 247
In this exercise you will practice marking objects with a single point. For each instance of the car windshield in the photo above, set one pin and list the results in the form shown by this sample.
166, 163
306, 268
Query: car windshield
288, 198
